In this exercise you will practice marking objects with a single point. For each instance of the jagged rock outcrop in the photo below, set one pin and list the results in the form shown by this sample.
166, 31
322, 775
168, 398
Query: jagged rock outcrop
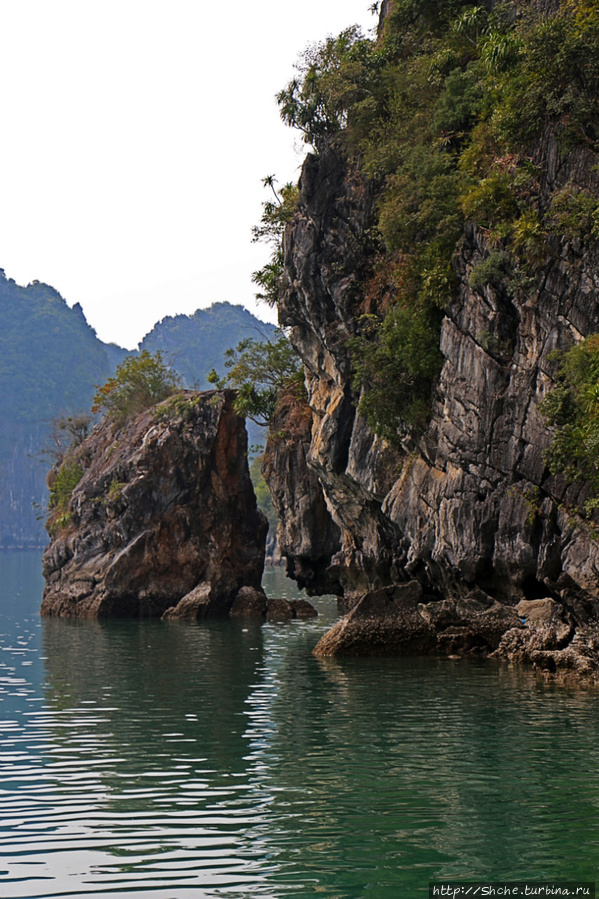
164, 518
298, 499
470, 509
542, 632
395, 619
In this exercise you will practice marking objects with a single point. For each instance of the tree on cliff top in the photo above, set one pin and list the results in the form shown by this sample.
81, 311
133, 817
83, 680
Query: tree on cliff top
276, 214
140, 382
259, 370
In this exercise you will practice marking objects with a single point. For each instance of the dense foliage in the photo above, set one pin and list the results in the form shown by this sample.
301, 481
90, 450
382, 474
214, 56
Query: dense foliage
276, 213
139, 382
442, 113
259, 370
573, 408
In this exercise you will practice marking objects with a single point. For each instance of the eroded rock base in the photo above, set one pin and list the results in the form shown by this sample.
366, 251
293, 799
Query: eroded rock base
251, 603
560, 642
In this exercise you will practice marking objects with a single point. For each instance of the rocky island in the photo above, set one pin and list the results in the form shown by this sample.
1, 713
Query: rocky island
162, 517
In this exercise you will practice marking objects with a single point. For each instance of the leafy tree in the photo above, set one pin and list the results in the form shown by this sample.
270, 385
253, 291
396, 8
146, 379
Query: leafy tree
259, 370
275, 216
140, 382
332, 79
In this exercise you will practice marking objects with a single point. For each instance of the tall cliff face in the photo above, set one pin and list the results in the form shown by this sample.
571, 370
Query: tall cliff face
458, 510
326, 255
163, 518
469, 511
307, 536
476, 505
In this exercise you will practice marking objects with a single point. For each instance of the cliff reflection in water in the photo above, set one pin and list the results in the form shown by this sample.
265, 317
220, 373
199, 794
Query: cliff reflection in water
225, 760
167, 683
418, 769
146, 725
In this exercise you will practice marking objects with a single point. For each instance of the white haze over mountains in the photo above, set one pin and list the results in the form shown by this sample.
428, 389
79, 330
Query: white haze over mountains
135, 137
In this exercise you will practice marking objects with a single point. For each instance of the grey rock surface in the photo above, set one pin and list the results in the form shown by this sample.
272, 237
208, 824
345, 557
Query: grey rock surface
470, 506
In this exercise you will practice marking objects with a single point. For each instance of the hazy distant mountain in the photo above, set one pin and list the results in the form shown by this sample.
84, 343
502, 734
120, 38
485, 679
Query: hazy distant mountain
50, 362
194, 344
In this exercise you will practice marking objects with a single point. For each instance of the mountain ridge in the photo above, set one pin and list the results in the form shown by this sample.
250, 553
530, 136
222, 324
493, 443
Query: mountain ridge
51, 362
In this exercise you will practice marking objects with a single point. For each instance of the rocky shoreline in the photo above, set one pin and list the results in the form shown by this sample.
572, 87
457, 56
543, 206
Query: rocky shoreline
559, 643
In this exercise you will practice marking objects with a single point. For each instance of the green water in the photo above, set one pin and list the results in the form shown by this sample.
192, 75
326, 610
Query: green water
224, 760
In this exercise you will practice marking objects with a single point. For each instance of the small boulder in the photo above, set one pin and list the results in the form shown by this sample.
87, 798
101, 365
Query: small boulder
303, 609
249, 603
279, 610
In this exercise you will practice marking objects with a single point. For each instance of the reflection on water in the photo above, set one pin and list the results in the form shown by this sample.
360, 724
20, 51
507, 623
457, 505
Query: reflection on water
223, 759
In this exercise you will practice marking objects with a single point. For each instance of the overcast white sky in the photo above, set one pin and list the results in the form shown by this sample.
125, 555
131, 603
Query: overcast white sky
135, 134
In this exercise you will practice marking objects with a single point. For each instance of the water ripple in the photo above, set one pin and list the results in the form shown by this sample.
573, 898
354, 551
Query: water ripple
225, 761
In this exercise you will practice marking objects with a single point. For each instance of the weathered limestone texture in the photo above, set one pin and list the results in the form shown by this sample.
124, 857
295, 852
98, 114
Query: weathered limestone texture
164, 519
469, 510
252, 603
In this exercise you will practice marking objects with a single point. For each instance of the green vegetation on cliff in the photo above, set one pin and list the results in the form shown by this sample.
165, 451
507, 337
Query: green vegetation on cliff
573, 409
441, 114
259, 370
139, 382
62, 483
276, 213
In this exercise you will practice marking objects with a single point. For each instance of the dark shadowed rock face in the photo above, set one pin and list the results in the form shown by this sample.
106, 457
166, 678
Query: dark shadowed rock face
298, 499
164, 517
470, 509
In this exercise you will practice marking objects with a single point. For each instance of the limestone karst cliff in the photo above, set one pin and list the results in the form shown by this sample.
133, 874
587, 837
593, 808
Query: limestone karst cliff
457, 538
163, 517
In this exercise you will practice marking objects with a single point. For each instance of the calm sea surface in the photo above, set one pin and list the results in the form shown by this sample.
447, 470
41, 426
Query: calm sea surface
223, 760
